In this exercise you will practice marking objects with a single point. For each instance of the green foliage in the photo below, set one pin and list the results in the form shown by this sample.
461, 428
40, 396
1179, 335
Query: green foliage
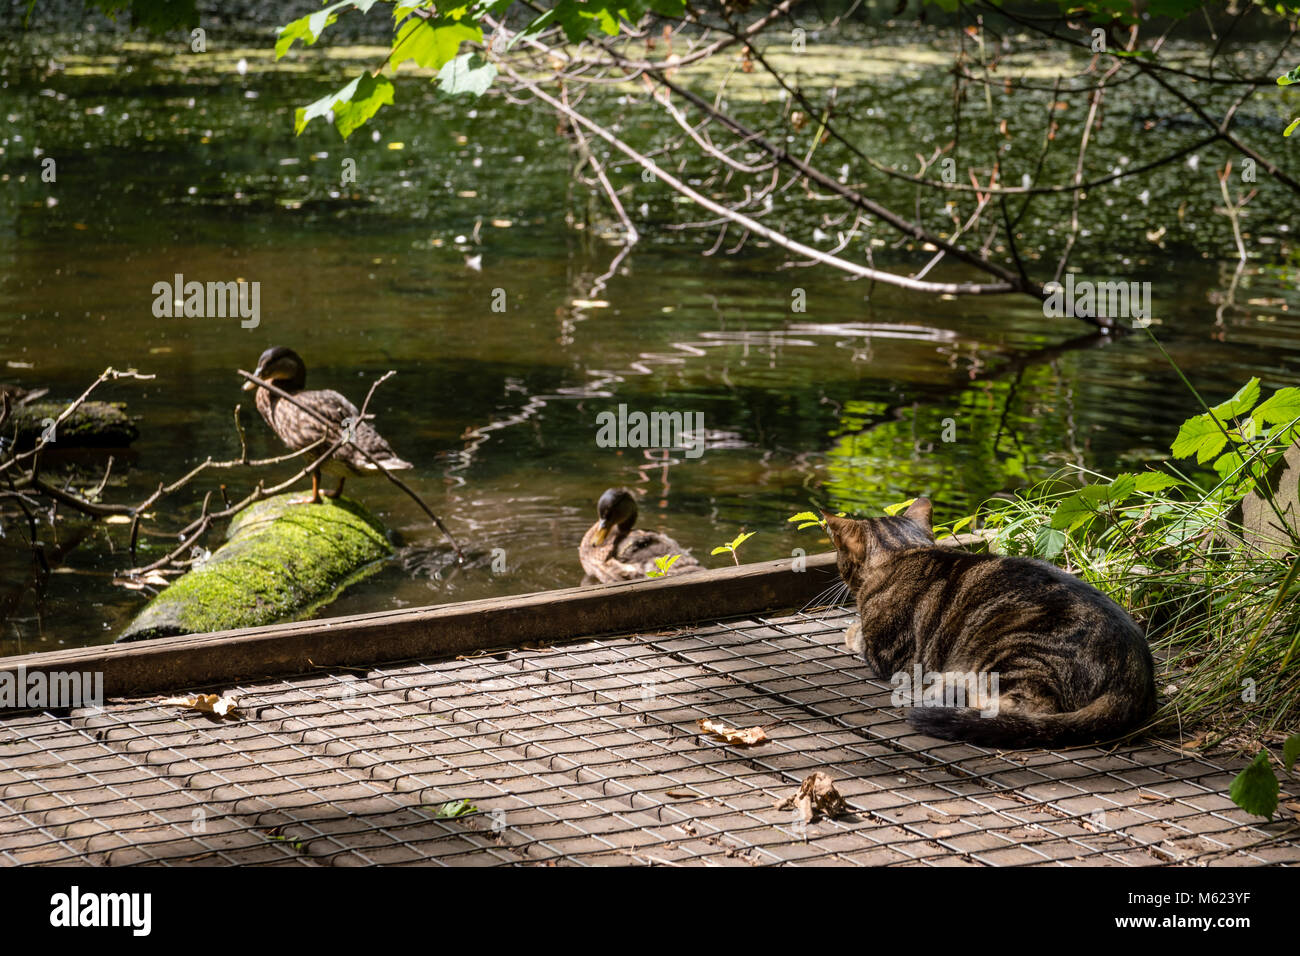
733, 545
1291, 751
807, 519
309, 28
431, 35
468, 74
432, 43
452, 809
1255, 435
352, 106
1289, 79
1255, 789
662, 565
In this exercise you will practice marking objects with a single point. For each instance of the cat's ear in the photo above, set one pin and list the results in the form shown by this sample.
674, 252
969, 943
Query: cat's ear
919, 511
843, 530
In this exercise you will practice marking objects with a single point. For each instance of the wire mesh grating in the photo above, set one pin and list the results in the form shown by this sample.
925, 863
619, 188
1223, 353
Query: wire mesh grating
589, 753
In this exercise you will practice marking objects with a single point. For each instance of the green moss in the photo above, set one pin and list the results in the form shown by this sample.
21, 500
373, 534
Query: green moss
283, 559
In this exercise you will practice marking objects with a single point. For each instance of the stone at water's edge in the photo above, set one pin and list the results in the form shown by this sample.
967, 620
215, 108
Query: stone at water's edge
1257, 518
281, 562
91, 425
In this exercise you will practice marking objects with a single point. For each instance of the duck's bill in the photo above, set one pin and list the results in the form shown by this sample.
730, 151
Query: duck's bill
601, 531
249, 385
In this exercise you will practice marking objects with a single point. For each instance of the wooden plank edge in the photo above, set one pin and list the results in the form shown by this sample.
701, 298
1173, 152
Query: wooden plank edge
197, 660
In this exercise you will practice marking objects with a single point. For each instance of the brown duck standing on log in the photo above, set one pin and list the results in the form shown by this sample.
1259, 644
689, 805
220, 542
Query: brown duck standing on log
612, 550
298, 428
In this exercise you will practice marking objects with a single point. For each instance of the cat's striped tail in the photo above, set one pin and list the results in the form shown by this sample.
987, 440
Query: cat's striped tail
1108, 717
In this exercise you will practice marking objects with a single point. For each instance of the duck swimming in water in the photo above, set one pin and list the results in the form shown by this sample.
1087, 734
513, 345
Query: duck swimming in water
298, 428
612, 550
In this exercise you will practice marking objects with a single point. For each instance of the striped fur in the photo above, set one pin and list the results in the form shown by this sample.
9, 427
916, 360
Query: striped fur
1071, 666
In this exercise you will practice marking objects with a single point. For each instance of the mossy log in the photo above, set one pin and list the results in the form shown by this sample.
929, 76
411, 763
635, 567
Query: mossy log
91, 425
282, 560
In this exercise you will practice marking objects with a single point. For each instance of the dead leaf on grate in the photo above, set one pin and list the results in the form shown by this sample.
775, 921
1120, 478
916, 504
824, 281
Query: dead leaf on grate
680, 794
207, 704
745, 738
817, 794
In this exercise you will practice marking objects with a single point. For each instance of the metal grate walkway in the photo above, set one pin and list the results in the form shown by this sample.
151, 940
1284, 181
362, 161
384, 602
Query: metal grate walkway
589, 753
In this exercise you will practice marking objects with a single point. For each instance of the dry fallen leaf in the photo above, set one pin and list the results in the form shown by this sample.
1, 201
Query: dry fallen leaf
746, 738
207, 704
816, 794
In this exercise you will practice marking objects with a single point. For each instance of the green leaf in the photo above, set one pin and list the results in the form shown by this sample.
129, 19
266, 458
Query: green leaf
663, 563
1151, 482
1201, 436
352, 106
452, 809
1228, 464
1286, 79
724, 549
1282, 407
1120, 488
892, 510
742, 538
1255, 789
1240, 403
1291, 128
468, 73
606, 20
1072, 513
403, 8
432, 43
309, 28
1291, 751
1049, 542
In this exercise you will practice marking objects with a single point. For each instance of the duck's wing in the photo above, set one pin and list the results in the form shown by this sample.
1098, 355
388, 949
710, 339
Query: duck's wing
299, 428
369, 439
640, 548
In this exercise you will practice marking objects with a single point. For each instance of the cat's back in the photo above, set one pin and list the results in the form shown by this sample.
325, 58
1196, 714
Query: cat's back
1019, 585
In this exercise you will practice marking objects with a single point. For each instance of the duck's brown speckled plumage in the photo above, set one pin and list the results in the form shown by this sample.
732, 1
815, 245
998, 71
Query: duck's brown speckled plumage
613, 550
298, 428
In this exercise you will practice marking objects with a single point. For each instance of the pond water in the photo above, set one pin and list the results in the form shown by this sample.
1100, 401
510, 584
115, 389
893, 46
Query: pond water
169, 164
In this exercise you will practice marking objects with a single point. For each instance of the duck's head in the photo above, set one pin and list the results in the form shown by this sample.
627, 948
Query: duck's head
616, 509
282, 366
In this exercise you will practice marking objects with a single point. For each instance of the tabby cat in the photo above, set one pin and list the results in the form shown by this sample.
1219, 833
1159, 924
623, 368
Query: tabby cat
1068, 665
